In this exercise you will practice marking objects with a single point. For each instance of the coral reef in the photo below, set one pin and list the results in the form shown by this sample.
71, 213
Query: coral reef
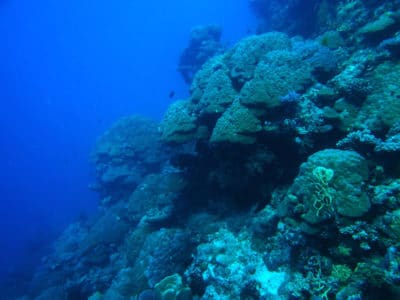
244, 97
278, 177
124, 154
204, 43
228, 259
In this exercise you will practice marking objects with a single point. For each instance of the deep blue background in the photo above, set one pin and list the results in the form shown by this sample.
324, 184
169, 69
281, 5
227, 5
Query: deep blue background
68, 70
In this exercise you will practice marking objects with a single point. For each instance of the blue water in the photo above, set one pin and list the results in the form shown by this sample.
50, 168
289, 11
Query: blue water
68, 70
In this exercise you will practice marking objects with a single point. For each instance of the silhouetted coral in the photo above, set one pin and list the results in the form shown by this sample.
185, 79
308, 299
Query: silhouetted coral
204, 43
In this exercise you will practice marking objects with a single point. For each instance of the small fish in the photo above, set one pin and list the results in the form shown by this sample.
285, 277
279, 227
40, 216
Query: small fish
171, 94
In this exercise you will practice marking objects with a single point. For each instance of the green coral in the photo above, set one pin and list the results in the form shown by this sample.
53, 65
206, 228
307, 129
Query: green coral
351, 171
393, 222
382, 107
218, 94
278, 73
341, 272
343, 251
172, 288
268, 70
371, 271
96, 296
128, 136
350, 15
244, 57
331, 39
179, 122
383, 23
236, 125
202, 77
323, 193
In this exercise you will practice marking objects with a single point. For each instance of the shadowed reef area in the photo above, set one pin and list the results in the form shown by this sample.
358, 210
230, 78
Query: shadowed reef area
277, 178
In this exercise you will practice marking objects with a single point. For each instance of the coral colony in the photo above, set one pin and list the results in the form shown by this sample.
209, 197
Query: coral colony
233, 196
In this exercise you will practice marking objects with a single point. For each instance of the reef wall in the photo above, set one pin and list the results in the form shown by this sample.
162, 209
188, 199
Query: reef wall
277, 178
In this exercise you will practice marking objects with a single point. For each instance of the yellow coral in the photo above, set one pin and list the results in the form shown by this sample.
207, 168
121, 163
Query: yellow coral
322, 197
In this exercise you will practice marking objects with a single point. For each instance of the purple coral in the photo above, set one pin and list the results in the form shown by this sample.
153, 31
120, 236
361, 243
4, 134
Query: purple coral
291, 96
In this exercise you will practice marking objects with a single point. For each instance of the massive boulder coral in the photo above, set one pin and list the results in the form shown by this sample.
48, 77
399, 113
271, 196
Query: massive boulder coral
370, 19
179, 122
384, 26
236, 125
278, 73
172, 288
202, 77
218, 93
264, 73
87, 254
331, 184
293, 16
381, 110
352, 82
204, 43
244, 57
153, 201
124, 154
159, 254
